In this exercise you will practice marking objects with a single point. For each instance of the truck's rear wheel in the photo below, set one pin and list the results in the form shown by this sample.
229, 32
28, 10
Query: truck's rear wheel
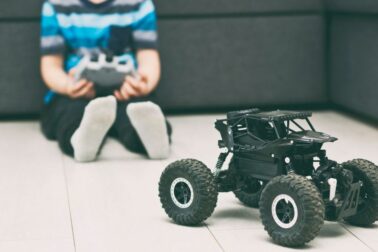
292, 210
188, 192
250, 193
366, 172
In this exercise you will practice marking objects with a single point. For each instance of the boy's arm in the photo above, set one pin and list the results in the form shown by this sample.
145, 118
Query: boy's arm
60, 82
149, 67
145, 42
53, 74
52, 49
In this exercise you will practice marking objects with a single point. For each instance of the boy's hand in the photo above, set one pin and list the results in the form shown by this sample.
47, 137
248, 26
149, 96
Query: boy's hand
133, 87
80, 89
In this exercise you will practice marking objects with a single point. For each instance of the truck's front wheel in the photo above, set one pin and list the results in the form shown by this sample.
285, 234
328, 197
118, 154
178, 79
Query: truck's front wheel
188, 192
292, 210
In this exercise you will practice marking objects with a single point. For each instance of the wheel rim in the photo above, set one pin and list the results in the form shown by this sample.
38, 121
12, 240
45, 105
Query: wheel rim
284, 211
182, 193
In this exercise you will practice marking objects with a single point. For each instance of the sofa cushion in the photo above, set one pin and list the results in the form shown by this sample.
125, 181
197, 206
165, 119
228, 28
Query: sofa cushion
20, 9
177, 7
31, 8
21, 87
352, 6
224, 62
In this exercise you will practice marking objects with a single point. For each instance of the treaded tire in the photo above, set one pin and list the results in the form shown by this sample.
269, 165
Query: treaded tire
204, 192
367, 172
310, 210
250, 199
364, 161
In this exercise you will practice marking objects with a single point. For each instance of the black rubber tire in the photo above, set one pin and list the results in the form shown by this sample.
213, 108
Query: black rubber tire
310, 210
204, 191
250, 198
367, 172
367, 162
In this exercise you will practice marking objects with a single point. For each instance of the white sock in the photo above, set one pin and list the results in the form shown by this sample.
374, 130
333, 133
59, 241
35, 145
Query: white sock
98, 117
149, 122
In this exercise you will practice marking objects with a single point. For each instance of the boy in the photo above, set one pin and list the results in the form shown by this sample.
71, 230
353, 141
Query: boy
74, 114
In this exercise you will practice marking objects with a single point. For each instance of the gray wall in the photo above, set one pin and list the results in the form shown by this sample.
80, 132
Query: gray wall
352, 6
353, 68
195, 7
21, 88
246, 61
241, 53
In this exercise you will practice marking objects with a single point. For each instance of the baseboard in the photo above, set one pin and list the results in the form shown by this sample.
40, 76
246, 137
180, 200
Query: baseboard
355, 115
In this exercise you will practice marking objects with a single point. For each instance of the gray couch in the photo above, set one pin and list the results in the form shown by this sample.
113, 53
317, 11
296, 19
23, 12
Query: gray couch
226, 54
353, 55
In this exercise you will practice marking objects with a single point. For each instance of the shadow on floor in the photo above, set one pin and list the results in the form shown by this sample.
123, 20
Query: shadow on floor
331, 230
238, 213
170, 221
306, 246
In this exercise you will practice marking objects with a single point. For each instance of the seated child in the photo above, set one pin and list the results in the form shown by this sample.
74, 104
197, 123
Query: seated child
74, 114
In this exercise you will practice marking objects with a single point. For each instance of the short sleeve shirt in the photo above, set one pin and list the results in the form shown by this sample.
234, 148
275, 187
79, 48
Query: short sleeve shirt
76, 27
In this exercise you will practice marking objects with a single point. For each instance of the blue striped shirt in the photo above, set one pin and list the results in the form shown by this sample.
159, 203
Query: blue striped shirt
75, 27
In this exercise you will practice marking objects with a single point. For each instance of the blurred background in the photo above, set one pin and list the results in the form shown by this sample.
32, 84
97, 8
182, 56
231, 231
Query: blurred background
220, 55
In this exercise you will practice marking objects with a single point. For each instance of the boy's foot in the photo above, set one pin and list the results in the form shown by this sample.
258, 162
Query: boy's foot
98, 117
149, 122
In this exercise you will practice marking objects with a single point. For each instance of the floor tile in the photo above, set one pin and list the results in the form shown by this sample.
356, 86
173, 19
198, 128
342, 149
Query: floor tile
114, 203
33, 199
115, 207
232, 214
37, 246
333, 237
367, 235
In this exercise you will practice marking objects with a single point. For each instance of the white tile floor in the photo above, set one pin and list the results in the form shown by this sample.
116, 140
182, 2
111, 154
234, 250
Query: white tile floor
50, 203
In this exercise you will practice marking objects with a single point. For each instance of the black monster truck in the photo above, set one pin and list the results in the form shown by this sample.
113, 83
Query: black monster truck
278, 165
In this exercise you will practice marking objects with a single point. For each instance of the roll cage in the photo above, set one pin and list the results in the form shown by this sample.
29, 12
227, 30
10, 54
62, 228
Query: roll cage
253, 130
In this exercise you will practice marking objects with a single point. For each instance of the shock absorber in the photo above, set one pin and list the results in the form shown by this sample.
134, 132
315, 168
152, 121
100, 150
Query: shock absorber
221, 159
